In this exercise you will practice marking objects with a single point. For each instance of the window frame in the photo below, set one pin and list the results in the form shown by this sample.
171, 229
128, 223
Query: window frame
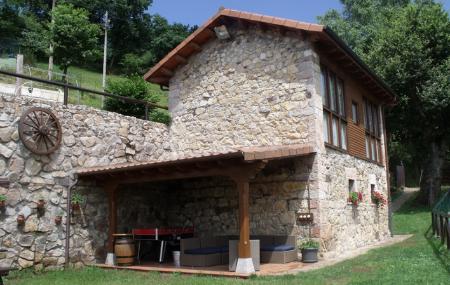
372, 131
355, 115
338, 109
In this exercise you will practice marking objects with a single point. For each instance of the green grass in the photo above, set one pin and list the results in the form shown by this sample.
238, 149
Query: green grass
87, 78
418, 260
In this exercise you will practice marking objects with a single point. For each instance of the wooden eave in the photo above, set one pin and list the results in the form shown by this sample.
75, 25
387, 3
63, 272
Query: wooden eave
217, 164
321, 35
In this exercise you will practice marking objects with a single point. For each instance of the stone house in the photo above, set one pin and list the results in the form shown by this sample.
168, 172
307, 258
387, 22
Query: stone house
282, 111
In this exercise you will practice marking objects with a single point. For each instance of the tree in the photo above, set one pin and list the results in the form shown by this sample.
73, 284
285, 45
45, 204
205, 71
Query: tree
11, 26
74, 38
407, 43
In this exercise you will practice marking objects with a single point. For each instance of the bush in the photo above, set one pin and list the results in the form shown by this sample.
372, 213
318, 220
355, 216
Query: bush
309, 244
137, 88
159, 116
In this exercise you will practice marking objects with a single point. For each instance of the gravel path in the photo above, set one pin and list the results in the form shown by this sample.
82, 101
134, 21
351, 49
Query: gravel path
408, 193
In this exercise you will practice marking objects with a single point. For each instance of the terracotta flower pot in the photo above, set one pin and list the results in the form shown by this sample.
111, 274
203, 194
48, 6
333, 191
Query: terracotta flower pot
2, 204
41, 204
76, 206
58, 220
20, 219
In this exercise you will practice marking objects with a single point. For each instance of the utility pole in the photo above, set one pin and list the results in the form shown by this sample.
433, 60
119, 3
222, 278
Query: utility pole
50, 58
105, 50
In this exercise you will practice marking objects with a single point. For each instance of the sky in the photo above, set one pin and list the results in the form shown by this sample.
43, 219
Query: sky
196, 12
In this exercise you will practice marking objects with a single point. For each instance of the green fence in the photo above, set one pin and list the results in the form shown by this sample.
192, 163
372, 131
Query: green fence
440, 219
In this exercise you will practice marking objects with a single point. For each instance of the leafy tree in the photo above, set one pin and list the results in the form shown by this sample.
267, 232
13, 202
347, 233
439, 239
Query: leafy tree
137, 88
407, 43
73, 37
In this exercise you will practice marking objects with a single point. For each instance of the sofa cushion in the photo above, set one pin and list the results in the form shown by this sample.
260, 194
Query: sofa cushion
207, 250
277, 247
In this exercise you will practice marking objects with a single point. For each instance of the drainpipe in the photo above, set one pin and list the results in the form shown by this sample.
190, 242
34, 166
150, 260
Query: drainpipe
68, 220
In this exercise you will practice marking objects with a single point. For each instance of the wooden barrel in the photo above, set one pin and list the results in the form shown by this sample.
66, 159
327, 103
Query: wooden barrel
125, 251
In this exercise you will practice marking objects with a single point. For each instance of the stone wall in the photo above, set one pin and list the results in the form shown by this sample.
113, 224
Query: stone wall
90, 137
342, 225
255, 89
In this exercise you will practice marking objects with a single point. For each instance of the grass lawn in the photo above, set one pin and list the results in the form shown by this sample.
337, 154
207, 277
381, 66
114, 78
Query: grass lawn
418, 260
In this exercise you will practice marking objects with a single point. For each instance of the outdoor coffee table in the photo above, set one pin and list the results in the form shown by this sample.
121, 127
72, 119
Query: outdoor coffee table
160, 234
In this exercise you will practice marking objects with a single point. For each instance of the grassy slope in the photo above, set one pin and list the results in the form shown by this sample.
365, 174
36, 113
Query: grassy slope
419, 260
81, 76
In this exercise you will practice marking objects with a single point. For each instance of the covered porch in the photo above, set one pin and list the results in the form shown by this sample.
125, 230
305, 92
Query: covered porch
238, 167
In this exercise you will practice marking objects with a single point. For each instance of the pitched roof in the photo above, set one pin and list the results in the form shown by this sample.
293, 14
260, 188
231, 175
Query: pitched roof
324, 37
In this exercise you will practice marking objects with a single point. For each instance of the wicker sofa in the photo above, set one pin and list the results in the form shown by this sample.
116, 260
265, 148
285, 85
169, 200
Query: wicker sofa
277, 249
208, 251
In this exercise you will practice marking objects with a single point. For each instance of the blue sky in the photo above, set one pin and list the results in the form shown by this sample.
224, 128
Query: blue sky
195, 12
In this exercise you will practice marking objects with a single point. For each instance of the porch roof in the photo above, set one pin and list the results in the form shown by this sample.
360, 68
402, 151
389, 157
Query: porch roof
203, 160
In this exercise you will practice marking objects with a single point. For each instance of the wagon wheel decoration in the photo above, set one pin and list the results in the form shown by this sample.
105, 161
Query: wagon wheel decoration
40, 130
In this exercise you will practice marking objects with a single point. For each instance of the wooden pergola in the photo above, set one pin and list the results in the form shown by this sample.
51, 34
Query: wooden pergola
239, 165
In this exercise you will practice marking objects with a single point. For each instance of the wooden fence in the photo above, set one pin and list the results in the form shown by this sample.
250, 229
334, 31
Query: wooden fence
440, 219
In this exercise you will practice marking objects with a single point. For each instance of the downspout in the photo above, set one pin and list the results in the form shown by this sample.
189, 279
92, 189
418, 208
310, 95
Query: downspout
388, 176
68, 220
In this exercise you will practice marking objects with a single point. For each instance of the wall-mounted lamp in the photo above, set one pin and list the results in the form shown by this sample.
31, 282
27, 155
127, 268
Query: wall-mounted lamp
222, 32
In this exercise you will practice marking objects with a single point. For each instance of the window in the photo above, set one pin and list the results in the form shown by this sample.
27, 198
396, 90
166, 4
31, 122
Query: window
355, 112
334, 120
373, 131
351, 186
372, 191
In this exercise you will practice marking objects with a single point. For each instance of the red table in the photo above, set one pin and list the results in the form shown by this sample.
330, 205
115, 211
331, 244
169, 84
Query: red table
160, 234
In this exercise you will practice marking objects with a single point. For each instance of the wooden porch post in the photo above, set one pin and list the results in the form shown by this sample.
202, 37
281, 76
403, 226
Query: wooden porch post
111, 190
244, 218
241, 176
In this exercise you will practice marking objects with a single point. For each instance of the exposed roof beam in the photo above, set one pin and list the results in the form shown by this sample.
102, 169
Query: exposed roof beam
195, 46
166, 71
159, 80
180, 58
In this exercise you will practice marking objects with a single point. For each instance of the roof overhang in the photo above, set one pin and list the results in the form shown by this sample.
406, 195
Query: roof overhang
203, 165
331, 44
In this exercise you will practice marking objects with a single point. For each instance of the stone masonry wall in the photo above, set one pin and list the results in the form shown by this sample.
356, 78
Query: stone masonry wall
342, 225
253, 90
90, 137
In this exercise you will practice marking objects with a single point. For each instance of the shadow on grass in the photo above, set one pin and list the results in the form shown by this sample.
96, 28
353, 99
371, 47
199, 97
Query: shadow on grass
439, 249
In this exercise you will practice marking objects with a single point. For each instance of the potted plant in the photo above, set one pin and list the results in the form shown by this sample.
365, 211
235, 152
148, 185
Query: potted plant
355, 198
20, 219
77, 200
379, 199
58, 218
309, 249
2, 201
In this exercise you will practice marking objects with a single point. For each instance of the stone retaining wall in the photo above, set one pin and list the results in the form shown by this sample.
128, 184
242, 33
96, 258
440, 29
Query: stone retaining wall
90, 137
